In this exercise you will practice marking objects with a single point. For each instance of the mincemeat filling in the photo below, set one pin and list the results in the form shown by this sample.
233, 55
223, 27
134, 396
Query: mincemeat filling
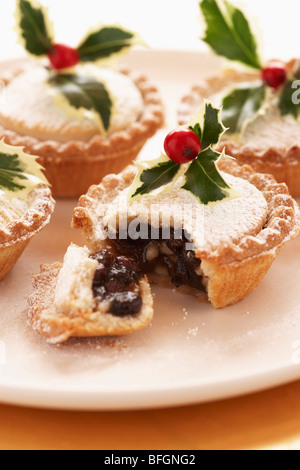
117, 277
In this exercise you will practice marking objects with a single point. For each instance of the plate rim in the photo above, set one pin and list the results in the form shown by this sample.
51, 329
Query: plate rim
166, 395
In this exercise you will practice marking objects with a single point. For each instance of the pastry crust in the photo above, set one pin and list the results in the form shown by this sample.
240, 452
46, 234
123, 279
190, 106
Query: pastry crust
15, 236
57, 327
72, 167
234, 270
282, 163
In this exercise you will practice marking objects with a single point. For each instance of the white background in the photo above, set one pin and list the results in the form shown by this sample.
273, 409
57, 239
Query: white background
166, 24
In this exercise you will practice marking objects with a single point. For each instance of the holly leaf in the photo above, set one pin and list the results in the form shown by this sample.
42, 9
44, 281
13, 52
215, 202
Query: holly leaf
34, 27
201, 177
84, 92
228, 32
19, 172
242, 104
158, 175
289, 99
204, 180
207, 124
105, 42
11, 172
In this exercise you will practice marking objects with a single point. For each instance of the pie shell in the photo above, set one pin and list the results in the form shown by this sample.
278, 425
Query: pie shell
15, 236
283, 164
235, 269
73, 166
58, 327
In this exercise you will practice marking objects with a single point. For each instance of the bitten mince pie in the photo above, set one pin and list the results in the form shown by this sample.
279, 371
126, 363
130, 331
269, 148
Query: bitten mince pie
83, 119
193, 220
91, 294
260, 102
26, 204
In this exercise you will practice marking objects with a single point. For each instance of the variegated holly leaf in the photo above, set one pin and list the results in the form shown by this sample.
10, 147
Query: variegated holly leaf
289, 99
19, 172
11, 172
228, 32
105, 42
204, 180
241, 105
86, 92
154, 174
207, 124
34, 27
201, 177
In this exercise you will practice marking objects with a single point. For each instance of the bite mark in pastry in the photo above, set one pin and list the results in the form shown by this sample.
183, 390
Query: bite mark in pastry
71, 301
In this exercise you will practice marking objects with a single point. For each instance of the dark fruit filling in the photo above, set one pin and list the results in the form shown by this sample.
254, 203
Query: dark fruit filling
117, 277
116, 280
126, 303
184, 270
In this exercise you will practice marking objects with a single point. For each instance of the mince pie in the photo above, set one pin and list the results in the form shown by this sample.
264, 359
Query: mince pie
260, 101
81, 116
192, 220
26, 204
91, 294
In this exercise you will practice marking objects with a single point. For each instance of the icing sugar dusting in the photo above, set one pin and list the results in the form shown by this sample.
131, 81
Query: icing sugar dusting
36, 113
11, 210
208, 227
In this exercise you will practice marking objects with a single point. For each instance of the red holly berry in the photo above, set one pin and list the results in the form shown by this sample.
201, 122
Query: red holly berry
182, 145
274, 74
63, 57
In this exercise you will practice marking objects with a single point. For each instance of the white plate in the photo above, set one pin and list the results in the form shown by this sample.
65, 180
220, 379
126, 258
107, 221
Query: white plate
191, 353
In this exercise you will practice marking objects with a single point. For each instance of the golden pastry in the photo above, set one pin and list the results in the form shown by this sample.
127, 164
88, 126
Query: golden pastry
26, 204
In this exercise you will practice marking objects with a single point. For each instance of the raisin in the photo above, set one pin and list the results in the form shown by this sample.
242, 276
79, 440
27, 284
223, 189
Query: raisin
175, 244
99, 292
104, 256
181, 272
120, 272
132, 248
190, 259
126, 303
117, 285
114, 277
129, 263
184, 273
100, 275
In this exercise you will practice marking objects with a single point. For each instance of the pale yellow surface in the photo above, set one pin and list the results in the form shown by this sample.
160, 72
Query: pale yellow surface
264, 420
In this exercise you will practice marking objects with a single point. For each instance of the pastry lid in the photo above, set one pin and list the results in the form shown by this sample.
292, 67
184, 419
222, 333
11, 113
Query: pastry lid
268, 218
